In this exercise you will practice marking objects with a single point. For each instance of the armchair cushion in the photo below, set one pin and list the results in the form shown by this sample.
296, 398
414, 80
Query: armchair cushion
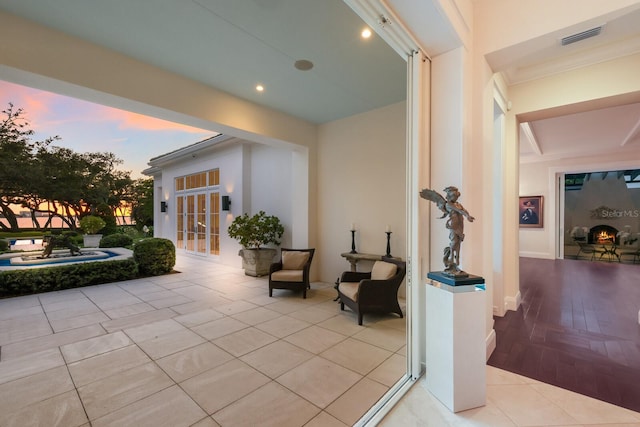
287, 276
294, 260
349, 289
383, 270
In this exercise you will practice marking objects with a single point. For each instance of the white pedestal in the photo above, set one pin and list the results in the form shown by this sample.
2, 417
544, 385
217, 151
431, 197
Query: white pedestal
455, 340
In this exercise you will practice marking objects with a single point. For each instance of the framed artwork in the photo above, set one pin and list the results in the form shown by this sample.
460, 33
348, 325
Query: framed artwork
531, 212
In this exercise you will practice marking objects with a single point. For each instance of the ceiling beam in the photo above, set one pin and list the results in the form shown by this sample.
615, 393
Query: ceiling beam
632, 134
527, 130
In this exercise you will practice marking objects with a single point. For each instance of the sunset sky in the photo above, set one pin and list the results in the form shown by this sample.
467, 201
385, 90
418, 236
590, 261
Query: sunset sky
88, 127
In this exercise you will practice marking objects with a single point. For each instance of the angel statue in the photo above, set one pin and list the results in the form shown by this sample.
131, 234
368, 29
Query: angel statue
455, 223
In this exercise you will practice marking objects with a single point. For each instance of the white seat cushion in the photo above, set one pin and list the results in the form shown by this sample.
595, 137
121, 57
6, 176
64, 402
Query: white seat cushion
294, 260
287, 276
383, 270
349, 289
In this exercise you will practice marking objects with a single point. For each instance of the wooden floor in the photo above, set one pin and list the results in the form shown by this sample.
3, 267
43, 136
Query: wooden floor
577, 328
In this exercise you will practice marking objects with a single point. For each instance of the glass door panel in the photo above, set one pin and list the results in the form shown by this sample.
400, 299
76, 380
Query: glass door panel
190, 221
214, 223
201, 224
180, 222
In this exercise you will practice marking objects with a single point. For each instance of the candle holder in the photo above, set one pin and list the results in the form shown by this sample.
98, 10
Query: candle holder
388, 243
353, 242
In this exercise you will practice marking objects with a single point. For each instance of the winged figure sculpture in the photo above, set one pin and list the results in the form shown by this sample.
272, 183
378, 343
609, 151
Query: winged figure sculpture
455, 214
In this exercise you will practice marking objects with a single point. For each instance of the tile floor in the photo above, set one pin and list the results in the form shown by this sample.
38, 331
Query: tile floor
205, 347
208, 347
512, 401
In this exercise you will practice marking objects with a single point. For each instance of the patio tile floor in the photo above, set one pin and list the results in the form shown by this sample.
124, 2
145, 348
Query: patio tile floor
205, 347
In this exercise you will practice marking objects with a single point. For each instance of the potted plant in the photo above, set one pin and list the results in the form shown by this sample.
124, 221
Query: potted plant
253, 232
90, 225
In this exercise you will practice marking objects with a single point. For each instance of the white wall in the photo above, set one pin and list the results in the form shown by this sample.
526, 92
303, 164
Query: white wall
229, 161
256, 177
271, 184
535, 242
361, 180
539, 178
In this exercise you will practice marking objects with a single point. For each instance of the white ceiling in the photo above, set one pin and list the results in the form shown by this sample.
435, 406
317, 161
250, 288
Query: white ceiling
235, 44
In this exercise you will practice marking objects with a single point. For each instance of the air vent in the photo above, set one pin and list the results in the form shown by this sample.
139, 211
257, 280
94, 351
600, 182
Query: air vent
581, 36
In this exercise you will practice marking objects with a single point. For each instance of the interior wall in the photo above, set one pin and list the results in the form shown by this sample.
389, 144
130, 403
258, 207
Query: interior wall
610, 192
538, 179
361, 181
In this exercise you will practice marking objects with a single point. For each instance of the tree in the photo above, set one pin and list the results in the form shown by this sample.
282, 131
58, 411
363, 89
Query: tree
17, 152
142, 202
54, 180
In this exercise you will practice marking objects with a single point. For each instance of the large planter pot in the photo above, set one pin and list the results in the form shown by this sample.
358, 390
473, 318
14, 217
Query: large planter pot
92, 240
256, 262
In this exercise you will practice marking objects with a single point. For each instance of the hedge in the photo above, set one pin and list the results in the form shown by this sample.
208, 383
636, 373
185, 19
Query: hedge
118, 240
155, 256
46, 279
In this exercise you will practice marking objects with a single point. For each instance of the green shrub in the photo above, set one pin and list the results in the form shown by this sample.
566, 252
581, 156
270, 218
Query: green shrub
4, 245
91, 224
117, 240
155, 256
29, 281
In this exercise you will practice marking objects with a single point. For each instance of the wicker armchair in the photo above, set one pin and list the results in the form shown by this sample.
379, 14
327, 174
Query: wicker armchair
373, 292
292, 271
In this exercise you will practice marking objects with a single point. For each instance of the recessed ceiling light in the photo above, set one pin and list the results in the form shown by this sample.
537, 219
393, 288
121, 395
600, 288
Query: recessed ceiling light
366, 33
303, 65
259, 88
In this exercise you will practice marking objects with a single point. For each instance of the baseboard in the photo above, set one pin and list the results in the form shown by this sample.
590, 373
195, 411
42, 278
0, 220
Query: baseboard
491, 343
512, 303
539, 255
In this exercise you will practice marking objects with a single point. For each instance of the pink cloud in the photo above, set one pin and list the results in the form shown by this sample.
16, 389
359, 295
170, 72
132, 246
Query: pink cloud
34, 103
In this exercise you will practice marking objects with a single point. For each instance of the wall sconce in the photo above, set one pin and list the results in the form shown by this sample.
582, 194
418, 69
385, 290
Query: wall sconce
164, 206
226, 203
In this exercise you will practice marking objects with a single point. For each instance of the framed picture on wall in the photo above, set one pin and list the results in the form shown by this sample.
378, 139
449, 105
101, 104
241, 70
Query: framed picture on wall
531, 212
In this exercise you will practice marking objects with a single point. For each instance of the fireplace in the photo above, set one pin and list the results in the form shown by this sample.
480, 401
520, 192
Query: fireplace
602, 234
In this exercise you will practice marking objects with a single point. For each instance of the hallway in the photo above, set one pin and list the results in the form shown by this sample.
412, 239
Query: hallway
577, 328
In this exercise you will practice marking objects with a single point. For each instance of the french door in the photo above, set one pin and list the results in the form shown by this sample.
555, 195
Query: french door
198, 224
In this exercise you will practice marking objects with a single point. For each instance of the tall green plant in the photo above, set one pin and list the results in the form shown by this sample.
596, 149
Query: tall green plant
255, 231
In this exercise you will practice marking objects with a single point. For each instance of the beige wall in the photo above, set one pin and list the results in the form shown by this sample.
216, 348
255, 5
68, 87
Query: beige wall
361, 180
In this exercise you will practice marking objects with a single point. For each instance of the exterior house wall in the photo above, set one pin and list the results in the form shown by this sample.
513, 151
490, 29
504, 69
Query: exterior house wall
229, 162
254, 176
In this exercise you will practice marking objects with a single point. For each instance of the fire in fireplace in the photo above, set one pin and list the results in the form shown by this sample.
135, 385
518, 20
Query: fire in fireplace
602, 234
